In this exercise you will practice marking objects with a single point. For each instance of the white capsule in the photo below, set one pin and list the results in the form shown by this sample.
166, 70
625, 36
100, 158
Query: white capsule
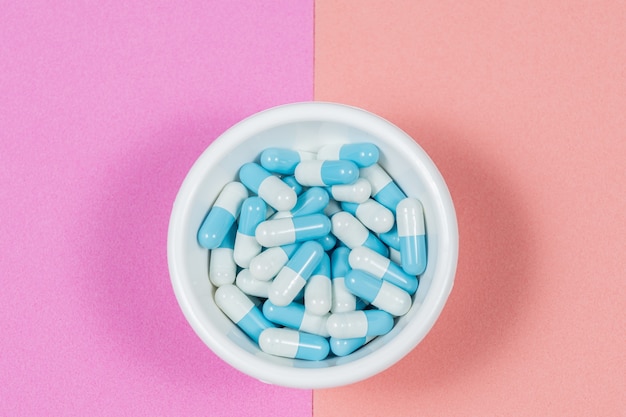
360, 323
293, 344
293, 276
251, 286
357, 192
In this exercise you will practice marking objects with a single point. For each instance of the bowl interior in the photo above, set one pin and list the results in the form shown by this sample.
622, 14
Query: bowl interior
308, 126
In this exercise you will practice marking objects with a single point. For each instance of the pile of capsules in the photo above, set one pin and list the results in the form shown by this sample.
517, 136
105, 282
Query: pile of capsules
314, 253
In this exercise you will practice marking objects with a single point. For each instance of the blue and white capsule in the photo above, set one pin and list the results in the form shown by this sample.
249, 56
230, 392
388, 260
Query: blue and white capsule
344, 347
359, 323
362, 154
412, 235
253, 211
321, 173
283, 160
295, 316
267, 186
222, 215
292, 230
349, 230
384, 189
241, 311
293, 276
222, 266
367, 260
357, 192
318, 289
378, 292
291, 343
373, 215
343, 300
268, 263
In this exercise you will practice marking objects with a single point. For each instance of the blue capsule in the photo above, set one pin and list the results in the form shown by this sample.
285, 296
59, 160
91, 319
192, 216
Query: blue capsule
379, 293
384, 189
283, 160
291, 343
246, 247
326, 173
314, 200
381, 267
412, 236
344, 347
241, 311
362, 154
291, 230
360, 323
294, 275
391, 238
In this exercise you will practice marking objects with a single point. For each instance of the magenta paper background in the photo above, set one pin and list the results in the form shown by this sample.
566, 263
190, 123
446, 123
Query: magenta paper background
104, 106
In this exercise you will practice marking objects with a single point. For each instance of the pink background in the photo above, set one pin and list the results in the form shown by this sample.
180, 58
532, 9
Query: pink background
104, 107
522, 105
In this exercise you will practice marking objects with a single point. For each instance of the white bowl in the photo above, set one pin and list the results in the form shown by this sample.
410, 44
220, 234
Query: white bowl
308, 126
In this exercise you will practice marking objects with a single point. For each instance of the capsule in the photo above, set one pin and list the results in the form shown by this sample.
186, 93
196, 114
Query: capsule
379, 293
384, 189
318, 289
344, 347
326, 173
412, 235
362, 154
222, 215
241, 311
328, 242
294, 275
295, 316
253, 211
291, 343
343, 300
373, 215
222, 266
357, 192
352, 233
360, 323
267, 186
291, 230
391, 238
332, 208
283, 160
367, 260
251, 286
268, 263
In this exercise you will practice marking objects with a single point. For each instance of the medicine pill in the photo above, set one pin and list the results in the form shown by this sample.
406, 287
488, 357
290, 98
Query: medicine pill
363, 323
293, 344
326, 173
330, 251
412, 235
222, 215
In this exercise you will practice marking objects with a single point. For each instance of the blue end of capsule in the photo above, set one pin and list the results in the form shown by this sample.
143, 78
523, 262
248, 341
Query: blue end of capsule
293, 184
378, 322
328, 242
290, 249
306, 258
312, 347
254, 323
349, 207
215, 227
390, 195
324, 266
363, 285
339, 262
391, 238
314, 200
373, 243
312, 226
290, 315
253, 212
229, 239
413, 254
280, 160
362, 154
339, 172
252, 175
344, 347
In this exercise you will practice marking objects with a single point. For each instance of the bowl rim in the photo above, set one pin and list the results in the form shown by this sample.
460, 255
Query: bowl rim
385, 356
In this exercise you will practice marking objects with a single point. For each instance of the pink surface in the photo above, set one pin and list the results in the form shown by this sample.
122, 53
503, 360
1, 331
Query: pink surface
103, 108
522, 106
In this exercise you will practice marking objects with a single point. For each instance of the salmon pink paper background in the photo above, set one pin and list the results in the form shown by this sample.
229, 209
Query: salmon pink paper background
522, 105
